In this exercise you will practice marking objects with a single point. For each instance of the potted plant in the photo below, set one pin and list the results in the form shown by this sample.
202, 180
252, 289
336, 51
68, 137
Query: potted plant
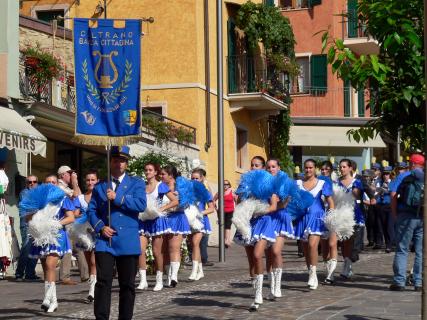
41, 65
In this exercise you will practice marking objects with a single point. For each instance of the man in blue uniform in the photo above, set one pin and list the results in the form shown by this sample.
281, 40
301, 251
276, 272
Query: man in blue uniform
117, 241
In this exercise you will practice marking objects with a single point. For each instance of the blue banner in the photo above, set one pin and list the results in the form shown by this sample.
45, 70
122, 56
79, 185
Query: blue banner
107, 77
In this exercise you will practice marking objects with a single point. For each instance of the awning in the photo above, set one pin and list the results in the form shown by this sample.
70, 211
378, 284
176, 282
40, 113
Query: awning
16, 133
329, 137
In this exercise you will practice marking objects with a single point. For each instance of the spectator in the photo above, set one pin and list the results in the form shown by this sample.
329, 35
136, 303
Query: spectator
26, 269
229, 204
407, 209
68, 182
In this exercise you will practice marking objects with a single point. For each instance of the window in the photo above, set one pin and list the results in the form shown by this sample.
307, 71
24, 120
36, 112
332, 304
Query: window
318, 74
241, 148
298, 4
301, 83
49, 15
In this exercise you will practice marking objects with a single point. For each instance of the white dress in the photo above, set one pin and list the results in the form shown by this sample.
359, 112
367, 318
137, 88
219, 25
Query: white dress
6, 239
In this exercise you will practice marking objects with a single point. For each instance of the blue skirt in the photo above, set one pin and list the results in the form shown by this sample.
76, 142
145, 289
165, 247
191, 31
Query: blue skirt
156, 227
282, 224
206, 225
262, 228
142, 227
61, 249
310, 223
178, 223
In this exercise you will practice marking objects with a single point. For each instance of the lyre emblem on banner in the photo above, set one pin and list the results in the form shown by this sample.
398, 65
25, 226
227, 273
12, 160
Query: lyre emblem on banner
103, 68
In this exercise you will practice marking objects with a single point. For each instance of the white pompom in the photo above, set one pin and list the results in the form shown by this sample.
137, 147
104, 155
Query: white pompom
151, 211
192, 213
81, 235
43, 226
244, 212
341, 219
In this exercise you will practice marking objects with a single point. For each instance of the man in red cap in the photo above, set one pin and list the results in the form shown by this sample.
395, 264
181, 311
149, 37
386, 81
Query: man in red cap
407, 209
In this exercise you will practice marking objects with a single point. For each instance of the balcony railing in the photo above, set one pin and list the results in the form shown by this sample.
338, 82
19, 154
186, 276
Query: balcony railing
352, 26
59, 93
165, 128
248, 74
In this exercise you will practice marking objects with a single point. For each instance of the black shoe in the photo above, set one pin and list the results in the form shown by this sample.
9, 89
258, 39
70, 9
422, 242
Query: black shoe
370, 244
173, 283
33, 278
418, 289
208, 264
378, 247
254, 307
387, 250
395, 287
19, 279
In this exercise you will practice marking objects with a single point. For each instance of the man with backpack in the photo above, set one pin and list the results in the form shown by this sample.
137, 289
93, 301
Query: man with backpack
407, 193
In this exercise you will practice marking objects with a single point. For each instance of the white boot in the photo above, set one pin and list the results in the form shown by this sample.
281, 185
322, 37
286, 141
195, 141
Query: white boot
143, 285
159, 281
331, 265
313, 278
277, 282
350, 268
92, 282
169, 272
194, 271
272, 279
258, 292
200, 273
174, 273
53, 301
310, 279
347, 271
46, 300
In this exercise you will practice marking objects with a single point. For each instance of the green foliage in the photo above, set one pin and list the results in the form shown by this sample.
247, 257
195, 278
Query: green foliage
265, 24
396, 75
136, 165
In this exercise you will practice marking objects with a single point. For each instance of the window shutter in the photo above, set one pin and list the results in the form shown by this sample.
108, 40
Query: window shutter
347, 95
232, 58
312, 3
352, 24
361, 103
269, 3
319, 75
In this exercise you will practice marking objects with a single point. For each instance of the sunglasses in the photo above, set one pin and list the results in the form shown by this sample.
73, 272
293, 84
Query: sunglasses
31, 181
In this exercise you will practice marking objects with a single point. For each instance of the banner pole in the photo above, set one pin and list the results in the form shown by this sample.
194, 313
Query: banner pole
108, 147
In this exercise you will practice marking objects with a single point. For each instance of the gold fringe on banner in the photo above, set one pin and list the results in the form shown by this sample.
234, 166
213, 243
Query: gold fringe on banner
105, 140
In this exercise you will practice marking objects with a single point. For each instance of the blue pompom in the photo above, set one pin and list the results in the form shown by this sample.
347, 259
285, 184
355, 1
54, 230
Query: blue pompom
256, 184
186, 196
201, 193
299, 202
37, 198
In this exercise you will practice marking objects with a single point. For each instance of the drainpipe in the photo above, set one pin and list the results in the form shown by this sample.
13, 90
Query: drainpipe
207, 77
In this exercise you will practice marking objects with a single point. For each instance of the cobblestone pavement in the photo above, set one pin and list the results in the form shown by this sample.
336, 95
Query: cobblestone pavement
225, 293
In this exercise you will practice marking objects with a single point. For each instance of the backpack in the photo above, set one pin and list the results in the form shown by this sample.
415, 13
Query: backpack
411, 192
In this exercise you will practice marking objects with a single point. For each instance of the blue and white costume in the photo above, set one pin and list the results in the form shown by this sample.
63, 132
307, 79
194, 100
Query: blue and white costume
205, 219
159, 225
177, 221
64, 245
255, 191
312, 221
358, 214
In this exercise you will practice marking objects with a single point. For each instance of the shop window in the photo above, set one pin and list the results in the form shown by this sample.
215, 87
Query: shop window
241, 148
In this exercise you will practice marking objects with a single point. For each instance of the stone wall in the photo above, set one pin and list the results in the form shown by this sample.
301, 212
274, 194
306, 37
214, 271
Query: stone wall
60, 47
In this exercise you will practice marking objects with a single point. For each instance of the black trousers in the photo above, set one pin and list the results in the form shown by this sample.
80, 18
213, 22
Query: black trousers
383, 223
127, 267
370, 223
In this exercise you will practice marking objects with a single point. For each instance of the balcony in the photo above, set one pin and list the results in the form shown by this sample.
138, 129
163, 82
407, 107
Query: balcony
59, 93
355, 35
333, 102
254, 86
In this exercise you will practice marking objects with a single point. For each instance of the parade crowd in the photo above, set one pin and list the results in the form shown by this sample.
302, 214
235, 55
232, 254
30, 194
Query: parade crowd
112, 225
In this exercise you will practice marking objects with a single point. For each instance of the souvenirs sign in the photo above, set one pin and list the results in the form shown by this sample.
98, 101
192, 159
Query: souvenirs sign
107, 77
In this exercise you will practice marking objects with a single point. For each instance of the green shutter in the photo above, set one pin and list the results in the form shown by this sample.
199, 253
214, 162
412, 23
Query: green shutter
347, 95
269, 3
352, 18
232, 58
319, 74
361, 103
250, 69
312, 3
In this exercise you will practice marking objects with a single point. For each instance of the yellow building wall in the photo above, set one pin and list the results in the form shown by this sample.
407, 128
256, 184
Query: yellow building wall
173, 56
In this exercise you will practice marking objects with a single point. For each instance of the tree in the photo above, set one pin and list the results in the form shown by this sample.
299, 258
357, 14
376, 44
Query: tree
395, 76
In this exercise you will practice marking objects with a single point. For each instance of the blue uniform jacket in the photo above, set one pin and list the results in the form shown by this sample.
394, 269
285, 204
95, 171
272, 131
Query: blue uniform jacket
130, 200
